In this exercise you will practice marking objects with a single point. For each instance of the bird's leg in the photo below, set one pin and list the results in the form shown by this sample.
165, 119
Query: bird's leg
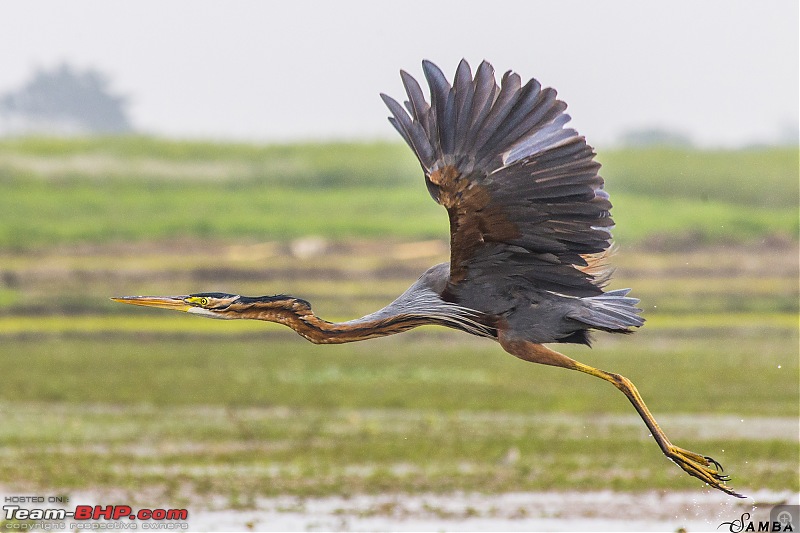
700, 466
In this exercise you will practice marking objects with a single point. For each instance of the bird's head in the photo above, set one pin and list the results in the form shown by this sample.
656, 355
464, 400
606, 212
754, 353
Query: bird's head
208, 304
223, 305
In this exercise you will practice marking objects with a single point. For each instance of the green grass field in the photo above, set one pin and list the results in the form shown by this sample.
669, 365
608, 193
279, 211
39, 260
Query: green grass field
169, 407
124, 189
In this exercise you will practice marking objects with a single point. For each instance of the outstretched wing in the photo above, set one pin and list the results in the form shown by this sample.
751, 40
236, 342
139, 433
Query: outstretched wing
526, 205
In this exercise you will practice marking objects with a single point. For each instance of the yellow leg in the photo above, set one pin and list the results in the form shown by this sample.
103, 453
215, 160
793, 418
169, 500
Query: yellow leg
700, 466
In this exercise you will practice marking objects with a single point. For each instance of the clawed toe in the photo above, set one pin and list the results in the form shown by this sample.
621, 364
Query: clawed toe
713, 462
702, 467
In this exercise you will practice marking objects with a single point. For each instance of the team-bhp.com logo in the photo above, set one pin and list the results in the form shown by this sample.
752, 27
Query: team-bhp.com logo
87, 517
781, 518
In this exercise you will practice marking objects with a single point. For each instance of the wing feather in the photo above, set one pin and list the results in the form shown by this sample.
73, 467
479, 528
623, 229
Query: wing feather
520, 120
412, 131
526, 205
465, 92
440, 91
416, 98
485, 90
503, 105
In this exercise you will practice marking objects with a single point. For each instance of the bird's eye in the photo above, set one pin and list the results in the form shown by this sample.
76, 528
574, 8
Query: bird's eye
199, 301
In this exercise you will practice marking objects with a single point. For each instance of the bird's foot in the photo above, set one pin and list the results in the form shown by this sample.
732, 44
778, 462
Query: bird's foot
702, 467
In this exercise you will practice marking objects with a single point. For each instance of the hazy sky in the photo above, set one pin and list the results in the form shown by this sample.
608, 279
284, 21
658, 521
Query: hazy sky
724, 72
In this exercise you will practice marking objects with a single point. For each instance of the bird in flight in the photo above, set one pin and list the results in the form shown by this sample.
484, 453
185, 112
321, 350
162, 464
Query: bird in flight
529, 237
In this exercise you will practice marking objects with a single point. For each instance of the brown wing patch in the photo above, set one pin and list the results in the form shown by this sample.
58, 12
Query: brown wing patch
474, 221
448, 174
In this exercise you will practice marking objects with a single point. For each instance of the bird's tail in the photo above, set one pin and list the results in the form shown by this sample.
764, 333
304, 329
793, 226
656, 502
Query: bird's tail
611, 311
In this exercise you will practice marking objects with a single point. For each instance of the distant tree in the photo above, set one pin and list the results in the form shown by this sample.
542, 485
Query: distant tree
66, 100
655, 137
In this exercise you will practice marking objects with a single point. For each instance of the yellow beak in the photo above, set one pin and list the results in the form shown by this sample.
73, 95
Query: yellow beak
175, 303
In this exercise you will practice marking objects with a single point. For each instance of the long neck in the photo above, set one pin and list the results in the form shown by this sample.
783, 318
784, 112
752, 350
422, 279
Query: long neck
297, 314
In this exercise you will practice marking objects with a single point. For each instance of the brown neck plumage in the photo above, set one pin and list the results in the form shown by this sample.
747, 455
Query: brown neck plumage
297, 314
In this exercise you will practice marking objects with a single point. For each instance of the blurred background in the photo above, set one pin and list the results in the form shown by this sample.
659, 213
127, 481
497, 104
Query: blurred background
713, 73
152, 148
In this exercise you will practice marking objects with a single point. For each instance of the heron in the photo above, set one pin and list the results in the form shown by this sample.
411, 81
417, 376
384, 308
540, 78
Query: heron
530, 237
